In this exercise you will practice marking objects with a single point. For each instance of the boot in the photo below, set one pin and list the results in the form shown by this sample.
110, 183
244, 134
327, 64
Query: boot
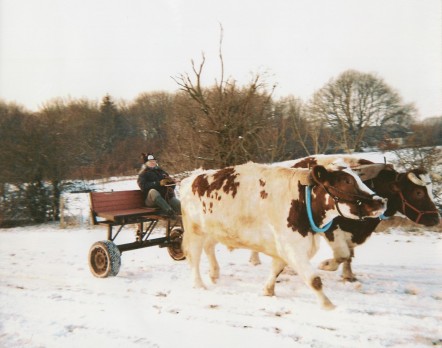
162, 204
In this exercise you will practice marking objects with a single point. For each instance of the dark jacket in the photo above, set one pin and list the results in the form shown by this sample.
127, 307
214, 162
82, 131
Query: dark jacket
149, 178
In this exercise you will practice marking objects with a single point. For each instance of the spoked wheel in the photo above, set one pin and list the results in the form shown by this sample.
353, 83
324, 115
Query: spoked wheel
104, 259
176, 238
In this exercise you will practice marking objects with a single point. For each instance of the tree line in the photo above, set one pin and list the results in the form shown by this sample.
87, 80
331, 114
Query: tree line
197, 126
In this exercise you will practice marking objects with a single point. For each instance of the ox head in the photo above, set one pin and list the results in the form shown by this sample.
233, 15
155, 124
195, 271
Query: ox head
351, 197
413, 197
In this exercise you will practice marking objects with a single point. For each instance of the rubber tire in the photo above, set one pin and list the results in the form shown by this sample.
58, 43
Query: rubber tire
104, 259
175, 250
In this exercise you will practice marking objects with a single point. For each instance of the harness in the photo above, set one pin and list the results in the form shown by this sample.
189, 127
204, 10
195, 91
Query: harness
358, 201
308, 193
405, 204
383, 217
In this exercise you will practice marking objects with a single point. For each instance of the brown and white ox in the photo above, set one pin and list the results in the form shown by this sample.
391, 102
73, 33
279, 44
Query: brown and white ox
263, 208
408, 193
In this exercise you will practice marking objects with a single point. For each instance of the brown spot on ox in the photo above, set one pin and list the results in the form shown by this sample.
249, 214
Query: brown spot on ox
297, 219
263, 193
362, 161
317, 283
200, 185
223, 179
305, 163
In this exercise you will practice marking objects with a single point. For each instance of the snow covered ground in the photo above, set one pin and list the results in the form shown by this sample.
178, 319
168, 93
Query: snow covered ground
49, 298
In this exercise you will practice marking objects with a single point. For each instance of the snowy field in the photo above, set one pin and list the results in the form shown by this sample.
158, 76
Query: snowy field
49, 298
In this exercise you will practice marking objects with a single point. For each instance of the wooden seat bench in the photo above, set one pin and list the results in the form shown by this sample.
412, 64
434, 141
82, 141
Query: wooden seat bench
119, 206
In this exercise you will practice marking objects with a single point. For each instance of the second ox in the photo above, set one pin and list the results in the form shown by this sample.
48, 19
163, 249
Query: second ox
264, 209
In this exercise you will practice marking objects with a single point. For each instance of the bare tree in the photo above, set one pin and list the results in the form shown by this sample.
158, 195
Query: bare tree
303, 137
224, 124
355, 101
149, 113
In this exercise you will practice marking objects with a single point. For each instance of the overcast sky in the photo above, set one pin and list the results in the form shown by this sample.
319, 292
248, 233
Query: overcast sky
88, 48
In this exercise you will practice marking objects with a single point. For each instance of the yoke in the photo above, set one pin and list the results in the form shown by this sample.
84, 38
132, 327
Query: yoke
121, 208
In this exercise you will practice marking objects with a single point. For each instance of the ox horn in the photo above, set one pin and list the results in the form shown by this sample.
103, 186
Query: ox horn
414, 179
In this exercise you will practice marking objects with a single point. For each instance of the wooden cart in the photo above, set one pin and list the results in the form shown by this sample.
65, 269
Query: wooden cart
117, 209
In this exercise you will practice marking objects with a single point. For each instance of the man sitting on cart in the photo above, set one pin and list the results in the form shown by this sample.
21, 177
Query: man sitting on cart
158, 187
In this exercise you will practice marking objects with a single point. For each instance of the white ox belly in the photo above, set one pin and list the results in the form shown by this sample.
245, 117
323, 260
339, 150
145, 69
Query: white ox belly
274, 240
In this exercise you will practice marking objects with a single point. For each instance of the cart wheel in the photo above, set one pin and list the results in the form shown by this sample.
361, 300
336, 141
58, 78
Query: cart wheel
175, 250
104, 259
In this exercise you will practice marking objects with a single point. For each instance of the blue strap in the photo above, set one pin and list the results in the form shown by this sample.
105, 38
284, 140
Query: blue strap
383, 217
308, 193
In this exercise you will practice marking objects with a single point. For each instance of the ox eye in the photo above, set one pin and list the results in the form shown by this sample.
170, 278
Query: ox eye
348, 181
419, 193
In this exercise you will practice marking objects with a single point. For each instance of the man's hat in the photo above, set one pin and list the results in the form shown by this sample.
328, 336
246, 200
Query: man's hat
148, 157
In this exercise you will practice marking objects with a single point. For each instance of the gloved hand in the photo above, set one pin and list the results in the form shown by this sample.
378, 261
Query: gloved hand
167, 182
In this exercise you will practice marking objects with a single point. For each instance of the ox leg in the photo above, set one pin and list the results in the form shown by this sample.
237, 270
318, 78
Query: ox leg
311, 279
254, 258
209, 249
194, 248
341, 251
347, 273
277, 267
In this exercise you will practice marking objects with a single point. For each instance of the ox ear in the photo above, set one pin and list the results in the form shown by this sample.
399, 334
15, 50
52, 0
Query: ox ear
320, 174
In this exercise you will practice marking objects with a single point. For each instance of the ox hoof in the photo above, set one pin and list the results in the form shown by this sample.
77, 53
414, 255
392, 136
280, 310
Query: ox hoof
254, 259
329, 265
269, 292
255, 262
199, 286
350, 279
214, 275
328, 306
